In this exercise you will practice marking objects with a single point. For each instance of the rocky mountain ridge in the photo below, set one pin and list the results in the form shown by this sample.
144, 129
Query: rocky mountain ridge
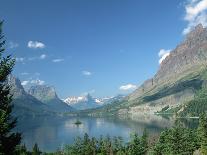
180, 75
185, 58
26, 104
47, 95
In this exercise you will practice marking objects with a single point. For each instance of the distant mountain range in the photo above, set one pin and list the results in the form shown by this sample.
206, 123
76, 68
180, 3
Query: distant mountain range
89, 102
43, 100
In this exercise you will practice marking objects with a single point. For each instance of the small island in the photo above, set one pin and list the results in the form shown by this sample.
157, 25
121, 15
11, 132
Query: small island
78, 122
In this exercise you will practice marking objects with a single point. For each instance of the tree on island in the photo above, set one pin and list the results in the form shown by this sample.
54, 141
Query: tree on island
8, 139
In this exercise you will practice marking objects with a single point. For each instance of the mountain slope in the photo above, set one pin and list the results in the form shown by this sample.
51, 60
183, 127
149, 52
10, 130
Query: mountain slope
179, 77
24, 104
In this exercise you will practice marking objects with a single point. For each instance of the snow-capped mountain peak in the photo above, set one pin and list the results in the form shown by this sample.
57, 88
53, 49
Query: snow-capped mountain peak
88, 102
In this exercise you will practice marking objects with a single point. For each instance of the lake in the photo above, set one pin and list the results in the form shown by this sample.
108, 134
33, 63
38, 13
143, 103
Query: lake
53, 133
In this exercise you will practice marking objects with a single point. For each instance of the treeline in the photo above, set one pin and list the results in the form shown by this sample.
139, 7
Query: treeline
177, 140
196, 106
93, 146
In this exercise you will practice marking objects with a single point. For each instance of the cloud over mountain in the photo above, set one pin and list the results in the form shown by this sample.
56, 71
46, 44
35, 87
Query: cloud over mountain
128, 87
195, 13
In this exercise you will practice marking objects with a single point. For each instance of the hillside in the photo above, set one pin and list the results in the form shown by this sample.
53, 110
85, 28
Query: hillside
177, 80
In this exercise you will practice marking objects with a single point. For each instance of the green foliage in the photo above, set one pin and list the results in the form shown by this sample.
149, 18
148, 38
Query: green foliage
21, 150
108, 146
196, 106
202, 133
36, 150
138, 146
8, 140
177, 141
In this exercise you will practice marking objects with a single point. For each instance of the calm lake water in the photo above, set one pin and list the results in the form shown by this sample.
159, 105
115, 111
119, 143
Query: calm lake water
54, 133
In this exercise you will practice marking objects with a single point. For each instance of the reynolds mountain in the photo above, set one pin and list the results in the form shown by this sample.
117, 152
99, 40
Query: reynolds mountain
179, 77
48, 96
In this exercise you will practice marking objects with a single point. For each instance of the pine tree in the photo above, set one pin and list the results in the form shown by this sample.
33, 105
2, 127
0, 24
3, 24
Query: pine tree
8, 139
202, 133
135, 145
35, 150
144, 142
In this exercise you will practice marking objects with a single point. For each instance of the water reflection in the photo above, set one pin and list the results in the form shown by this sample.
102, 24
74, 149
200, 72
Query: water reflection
53, 133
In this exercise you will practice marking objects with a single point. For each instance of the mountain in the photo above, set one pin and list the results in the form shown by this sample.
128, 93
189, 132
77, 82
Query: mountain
83, 102
89, 102
47, 95
25, 105
176, 82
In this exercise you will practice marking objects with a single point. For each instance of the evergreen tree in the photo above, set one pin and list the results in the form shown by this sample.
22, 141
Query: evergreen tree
202, 133
134, 147
8, 139
144, 142
35, 150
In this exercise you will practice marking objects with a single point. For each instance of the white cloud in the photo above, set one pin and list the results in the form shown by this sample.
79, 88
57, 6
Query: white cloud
57, 60
13, 44
163, 54
35, 44
32, 81
195, 13
21, 59
43, 56
25, 83
87, 73
128, 87
37, 82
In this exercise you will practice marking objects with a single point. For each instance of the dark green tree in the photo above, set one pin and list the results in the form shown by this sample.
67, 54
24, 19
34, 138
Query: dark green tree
134, 147
202, 133
8, 139
21, 150
36, 150
176, 141
144, 142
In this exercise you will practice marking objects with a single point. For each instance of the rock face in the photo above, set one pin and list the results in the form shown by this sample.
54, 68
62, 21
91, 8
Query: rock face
16, 87
45, 102
190, 53
25, 105
187, 56
43, 93
188, 59
47, 95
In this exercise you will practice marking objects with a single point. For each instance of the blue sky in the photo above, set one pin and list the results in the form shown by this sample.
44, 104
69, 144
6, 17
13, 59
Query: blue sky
104, 47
